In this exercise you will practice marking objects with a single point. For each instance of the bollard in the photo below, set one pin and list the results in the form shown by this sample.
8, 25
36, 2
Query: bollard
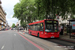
23, 33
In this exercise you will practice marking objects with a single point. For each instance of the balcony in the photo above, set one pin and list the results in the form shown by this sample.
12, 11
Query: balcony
2, 20
2, 24
0, 2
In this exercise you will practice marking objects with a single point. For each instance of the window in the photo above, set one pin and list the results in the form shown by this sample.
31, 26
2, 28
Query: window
41, 27
51, 26
30, 27
37, 27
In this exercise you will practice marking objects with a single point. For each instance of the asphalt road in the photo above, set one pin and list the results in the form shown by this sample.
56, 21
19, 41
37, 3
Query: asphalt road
11, 40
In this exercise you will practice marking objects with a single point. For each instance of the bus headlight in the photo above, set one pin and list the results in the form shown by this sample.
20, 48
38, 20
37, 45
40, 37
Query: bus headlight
45, 33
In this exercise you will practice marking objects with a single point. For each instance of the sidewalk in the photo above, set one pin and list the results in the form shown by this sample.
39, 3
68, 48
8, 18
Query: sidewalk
24, 31
67, 38
63, 37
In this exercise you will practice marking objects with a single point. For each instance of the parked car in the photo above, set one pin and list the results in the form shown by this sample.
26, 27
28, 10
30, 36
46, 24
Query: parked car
21, 28
3, 29
11, 28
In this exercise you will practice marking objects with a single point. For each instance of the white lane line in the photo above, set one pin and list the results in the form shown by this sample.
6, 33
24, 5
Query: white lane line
2, 47
14, 34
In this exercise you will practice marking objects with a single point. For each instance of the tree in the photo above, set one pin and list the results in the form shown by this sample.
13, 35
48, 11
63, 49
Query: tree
13, 25
52, 7
23, 10
23, 24
31, 10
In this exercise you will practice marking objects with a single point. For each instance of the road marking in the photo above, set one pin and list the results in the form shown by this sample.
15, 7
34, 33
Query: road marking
14, 34
40, 48
2, 47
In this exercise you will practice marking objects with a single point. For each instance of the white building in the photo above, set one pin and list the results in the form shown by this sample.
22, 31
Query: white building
61, 21
18, 23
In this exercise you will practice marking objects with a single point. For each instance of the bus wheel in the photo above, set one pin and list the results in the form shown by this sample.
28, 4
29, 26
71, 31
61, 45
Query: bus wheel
38, 34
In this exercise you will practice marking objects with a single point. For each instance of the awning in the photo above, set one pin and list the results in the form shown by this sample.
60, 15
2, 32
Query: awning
72, 20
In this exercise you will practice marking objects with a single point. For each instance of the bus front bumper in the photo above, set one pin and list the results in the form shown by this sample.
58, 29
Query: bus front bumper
51, 36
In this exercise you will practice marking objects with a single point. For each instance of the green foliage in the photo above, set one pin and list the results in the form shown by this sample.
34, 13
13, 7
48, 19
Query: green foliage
13, 25
24, 10
32, 10
59, 7
23, 24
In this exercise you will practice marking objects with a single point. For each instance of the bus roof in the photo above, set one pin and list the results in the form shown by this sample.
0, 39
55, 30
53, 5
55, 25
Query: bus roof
40, 21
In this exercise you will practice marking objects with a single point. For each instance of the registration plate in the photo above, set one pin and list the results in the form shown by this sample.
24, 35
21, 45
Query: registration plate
52, 36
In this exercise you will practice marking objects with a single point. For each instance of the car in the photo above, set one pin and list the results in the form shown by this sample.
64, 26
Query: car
21, 28
11, 28
3, 29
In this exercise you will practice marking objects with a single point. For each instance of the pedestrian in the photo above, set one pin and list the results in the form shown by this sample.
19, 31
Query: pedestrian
61, 33
59, 28
19, 28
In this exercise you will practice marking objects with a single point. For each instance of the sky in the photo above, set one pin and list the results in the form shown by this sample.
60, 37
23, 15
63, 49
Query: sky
8, 6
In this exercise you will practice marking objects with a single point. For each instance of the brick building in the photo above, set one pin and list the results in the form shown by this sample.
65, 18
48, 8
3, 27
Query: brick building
2, 17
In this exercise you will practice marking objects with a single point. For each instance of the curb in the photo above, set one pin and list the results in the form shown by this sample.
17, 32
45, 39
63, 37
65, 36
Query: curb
67, 40
61, 39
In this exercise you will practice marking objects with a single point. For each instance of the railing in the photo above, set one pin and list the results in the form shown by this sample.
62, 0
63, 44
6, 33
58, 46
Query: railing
3, 20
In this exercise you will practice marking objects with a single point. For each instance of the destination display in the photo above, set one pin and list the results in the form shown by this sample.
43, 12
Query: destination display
51, 21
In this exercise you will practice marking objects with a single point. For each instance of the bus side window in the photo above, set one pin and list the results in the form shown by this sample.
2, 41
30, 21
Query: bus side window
41, 27
31, 27
36, 27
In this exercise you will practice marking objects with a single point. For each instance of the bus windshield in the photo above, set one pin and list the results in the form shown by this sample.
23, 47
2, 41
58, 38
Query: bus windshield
51, 26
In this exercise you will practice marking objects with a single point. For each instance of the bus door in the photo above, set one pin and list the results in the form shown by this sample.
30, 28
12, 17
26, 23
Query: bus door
41, 29
51, 26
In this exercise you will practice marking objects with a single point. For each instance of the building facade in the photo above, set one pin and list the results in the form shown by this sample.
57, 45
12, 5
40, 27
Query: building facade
18, 23
7, 26
2, 17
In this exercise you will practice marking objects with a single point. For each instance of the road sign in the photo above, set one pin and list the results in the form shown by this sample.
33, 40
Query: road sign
2, 26
73, 25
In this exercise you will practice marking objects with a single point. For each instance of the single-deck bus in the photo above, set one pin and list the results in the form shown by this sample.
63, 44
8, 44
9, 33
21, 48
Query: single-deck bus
45, 28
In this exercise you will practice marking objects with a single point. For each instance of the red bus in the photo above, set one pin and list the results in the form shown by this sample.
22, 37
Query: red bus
45, 28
